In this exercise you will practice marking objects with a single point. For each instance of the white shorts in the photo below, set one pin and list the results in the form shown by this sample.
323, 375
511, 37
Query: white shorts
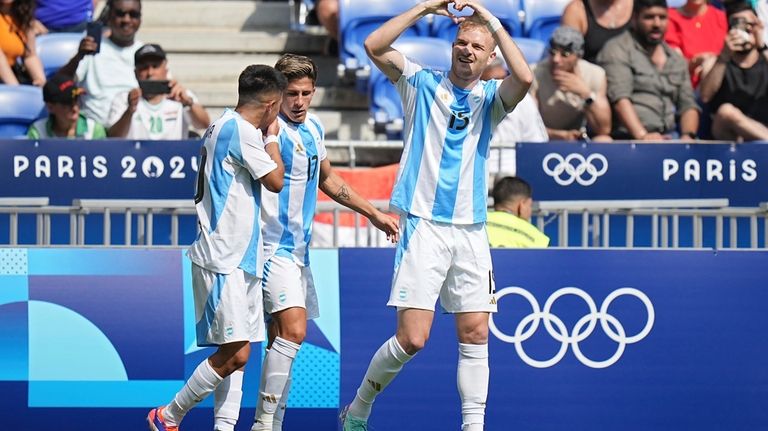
452, 262
228, 307
287, 284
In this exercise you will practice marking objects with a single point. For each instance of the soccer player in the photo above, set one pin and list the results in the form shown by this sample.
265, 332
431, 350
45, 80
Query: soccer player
240, 154
441, 192
288, 288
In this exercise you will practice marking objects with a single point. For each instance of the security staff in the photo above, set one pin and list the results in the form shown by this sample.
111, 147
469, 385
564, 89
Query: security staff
509, 224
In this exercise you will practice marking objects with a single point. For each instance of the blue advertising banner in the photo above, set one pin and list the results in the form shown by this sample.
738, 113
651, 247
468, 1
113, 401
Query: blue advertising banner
97, 337
584, 340
569, 171
110, 169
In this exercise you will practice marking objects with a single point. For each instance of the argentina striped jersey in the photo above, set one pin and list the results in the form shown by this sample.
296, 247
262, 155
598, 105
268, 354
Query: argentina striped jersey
228, 197
287, 216
447, 134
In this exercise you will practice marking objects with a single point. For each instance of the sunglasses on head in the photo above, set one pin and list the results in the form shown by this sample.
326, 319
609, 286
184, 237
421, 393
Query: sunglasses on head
119, 13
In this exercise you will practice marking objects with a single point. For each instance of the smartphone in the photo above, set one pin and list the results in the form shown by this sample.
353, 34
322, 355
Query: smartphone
95, 29
154, 86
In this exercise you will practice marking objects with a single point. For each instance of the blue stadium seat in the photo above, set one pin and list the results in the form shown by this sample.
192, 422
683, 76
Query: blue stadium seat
20, 106
385, 105
542, 17
675, 3
534, 50
358, 19
507, 11
56, 49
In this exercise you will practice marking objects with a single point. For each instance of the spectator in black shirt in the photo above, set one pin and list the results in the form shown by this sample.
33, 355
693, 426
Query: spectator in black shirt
736, 89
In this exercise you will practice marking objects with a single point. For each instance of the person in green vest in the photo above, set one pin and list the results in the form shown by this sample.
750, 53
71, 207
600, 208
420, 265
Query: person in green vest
64, 120
509, 223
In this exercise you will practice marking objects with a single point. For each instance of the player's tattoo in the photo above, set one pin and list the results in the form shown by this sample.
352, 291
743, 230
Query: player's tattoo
391, 64
343, 193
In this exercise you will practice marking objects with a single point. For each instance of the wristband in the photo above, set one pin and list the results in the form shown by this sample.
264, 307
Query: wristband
493, 25
691, 135
270, 139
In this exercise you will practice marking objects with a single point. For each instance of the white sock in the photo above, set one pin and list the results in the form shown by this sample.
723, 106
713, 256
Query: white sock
202, 382
274, 375
226, 405
277, 420
472, 379
384, 366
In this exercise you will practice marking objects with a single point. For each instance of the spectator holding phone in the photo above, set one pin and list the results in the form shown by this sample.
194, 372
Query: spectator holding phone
21, 64
106, 69
62, 96
159, 109
736, 89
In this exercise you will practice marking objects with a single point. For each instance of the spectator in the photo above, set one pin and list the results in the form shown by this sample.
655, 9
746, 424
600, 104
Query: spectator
509, 224
62, 96
696, 30
328, 14
648, 81
524, 124
17, 44
155, 114
737, 87
106, 70
570, 91
64, 16
598, 20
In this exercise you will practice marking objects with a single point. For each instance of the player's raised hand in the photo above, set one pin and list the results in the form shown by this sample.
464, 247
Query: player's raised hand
387, 225
481, 14
440, 7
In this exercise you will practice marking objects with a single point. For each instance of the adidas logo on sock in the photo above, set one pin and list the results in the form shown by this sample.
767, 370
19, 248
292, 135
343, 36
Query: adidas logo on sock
376, 386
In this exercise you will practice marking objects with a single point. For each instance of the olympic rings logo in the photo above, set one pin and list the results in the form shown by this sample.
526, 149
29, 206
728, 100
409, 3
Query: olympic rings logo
580, 331
574, 167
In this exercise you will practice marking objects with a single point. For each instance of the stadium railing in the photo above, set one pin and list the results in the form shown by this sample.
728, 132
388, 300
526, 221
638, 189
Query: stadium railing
674, 223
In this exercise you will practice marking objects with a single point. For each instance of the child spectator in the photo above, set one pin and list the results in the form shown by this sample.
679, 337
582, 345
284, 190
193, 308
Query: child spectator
62, 96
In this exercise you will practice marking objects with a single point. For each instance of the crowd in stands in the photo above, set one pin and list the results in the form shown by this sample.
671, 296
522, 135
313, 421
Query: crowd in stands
114, 86
615, 69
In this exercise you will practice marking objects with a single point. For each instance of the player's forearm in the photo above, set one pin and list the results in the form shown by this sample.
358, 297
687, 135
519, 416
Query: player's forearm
520, 78
335, 187
382, 38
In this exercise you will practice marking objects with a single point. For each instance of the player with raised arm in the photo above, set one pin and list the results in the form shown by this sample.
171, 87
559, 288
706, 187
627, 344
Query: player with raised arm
239, 155
288, 287
441, 193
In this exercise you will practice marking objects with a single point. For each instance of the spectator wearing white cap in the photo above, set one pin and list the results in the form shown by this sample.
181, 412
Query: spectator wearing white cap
570, 91
161, 108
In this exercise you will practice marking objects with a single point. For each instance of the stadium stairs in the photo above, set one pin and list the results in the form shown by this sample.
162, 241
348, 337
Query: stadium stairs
210, 42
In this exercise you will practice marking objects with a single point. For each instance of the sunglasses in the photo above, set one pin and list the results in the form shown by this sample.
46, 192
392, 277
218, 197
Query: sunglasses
119, 13
563, 52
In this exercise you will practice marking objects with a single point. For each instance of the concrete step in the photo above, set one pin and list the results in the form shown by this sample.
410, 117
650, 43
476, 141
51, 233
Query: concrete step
204, 15
226, 68
224, 94
223, 40
339, 124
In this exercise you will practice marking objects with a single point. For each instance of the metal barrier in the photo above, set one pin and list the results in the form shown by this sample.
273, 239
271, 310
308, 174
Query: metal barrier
592, 218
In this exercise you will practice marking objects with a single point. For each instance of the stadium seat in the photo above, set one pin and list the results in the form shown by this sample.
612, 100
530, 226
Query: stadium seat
385, 106
533, 49
507, 11
675, 3
542, 17
20, 106
56, 49
358, 19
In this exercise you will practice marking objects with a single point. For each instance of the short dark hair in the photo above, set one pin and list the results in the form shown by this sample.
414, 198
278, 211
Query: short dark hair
645, 4
295, 67
257, 80
734, 7
511, 188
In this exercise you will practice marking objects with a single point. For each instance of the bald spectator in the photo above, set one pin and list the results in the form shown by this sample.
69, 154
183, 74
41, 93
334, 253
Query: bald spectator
570, 91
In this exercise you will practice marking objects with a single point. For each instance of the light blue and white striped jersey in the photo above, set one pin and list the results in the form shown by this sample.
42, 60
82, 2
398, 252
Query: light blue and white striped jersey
287, 216
228, 197
447, 134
